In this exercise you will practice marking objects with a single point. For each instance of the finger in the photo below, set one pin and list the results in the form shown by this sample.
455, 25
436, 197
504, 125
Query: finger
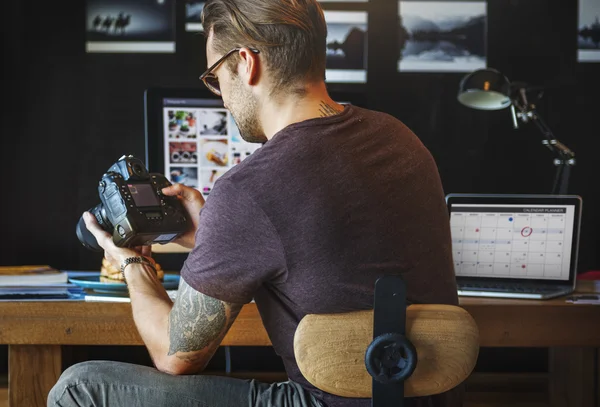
173, 190
146, 251
92, 224
103, 238
187, 193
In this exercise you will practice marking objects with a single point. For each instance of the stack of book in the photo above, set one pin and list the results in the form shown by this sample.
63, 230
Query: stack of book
36, 282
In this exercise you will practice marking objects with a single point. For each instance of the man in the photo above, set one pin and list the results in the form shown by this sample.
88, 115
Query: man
335, 198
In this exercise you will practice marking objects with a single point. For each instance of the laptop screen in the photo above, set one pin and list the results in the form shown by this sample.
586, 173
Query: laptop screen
514, 241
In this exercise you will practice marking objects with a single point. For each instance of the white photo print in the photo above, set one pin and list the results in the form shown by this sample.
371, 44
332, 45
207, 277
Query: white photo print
442, 36
346, 46
588, 31
130, 26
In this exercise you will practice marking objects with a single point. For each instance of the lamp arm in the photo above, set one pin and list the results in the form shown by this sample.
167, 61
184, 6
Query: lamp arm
565, 156
564, 152
527, 112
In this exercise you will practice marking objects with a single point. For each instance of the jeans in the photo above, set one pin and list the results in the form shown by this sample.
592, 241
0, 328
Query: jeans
115, 384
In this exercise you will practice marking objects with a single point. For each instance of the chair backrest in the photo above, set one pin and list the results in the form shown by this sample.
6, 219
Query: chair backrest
330, 350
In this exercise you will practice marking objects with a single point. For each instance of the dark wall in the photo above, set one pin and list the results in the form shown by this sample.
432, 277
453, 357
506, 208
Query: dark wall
69, 115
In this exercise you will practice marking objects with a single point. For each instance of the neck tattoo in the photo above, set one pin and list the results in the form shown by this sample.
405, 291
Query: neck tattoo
327, 110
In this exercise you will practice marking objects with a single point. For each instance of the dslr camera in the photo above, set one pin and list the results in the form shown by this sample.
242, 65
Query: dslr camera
133, 208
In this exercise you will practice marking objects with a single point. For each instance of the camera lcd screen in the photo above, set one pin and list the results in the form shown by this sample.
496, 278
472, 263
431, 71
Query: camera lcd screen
143, 195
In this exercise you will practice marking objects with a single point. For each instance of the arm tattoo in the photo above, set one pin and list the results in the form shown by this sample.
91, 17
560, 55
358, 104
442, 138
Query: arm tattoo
327, 110
196, 320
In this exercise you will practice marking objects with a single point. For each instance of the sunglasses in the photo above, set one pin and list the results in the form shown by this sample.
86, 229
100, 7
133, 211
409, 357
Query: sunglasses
210, 80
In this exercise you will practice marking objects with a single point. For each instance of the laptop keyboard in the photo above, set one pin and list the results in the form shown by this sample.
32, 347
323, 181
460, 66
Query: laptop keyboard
507, 288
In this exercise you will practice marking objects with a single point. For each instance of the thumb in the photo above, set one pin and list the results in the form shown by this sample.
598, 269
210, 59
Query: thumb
172, 190
178, 190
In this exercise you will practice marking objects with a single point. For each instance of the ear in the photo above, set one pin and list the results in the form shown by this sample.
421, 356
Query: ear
249, 66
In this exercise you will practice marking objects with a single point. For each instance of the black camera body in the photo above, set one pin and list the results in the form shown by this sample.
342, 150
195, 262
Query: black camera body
133, 209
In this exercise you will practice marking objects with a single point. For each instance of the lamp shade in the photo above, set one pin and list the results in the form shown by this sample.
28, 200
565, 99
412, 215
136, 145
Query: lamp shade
485, 89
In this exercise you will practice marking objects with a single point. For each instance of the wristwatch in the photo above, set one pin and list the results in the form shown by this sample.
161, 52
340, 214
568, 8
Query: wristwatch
136, 259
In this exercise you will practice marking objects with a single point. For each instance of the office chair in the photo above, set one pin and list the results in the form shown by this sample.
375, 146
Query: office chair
390, 352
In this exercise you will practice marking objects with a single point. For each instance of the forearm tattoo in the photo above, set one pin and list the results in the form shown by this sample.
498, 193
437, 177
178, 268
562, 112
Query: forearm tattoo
327, 110
195, 321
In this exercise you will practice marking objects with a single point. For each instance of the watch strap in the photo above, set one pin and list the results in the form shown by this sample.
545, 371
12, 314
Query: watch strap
134, 260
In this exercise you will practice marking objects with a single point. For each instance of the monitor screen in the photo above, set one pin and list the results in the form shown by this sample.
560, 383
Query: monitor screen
143, 195
514, 238
516, 241
192, 139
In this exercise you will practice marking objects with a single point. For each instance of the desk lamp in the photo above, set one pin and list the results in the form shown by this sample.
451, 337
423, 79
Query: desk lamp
488, 89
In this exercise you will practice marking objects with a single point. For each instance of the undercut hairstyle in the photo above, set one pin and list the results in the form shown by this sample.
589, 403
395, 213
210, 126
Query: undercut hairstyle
290, 35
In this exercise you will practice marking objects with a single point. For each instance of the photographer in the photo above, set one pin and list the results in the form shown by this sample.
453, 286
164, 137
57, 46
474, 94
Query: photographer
335, 198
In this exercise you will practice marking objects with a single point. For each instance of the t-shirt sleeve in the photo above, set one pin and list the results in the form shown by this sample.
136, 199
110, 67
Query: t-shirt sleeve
237, 248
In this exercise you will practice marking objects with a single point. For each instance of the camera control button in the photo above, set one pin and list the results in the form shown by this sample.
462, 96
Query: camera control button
121, 231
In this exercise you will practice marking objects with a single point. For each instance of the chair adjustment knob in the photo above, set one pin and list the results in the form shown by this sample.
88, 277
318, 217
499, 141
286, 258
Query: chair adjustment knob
391, 358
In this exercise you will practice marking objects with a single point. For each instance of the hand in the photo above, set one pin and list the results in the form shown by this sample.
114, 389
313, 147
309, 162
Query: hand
115, 255
193, 201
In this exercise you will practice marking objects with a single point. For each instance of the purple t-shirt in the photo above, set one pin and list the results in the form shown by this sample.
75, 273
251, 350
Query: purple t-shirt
307, 224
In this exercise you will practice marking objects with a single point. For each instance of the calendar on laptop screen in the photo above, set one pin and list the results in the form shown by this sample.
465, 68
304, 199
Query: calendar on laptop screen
512, 241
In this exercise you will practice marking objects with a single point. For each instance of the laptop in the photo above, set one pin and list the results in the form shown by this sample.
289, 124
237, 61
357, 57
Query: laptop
515, 246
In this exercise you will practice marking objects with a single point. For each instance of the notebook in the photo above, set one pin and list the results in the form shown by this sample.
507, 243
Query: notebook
31, 275
515, 246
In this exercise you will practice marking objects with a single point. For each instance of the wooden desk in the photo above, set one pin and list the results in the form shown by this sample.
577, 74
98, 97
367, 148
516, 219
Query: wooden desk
35, 332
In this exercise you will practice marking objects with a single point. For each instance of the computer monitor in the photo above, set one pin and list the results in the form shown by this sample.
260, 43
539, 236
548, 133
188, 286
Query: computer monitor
513, 239
191, 137
193, 140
